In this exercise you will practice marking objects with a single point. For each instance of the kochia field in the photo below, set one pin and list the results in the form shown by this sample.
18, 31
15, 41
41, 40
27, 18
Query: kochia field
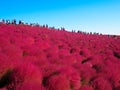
40, 58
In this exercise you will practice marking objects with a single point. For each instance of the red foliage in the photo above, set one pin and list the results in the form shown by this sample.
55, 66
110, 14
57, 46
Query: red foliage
58, 82
39, 58
101, 84
30, 86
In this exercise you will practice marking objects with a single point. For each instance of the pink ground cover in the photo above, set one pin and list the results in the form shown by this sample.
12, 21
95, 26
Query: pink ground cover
39, 58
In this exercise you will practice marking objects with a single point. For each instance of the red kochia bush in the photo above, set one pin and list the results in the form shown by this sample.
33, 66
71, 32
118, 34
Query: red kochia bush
101, 84
24, 73
39, 58
72, 75
5, 65
58, 82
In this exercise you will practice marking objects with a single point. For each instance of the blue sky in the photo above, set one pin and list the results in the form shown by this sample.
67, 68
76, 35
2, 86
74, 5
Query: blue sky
101, 16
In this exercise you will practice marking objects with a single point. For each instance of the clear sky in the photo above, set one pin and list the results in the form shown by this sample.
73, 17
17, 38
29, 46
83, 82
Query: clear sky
101, 16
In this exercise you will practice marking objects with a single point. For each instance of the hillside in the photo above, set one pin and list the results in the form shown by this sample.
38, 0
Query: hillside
40, 58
